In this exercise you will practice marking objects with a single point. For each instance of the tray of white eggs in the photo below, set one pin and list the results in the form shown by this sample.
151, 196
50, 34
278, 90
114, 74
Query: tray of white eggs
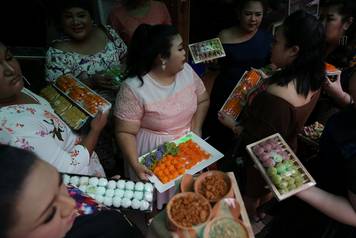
123, 194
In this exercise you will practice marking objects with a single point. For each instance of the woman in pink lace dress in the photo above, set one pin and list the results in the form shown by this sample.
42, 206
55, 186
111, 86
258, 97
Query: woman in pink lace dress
161, 100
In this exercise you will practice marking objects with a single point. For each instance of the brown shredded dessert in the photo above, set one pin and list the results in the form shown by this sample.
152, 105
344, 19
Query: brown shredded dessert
214, 187
188, 211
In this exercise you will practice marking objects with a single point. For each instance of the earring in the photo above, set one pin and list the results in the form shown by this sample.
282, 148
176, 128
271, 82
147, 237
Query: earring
343, 40
163, 65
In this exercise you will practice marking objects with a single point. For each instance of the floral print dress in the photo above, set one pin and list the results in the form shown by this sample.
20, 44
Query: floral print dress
36, 127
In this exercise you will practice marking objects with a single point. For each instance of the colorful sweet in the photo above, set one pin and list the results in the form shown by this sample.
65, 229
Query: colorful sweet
65, 82
91, 189
226, 227
112, 184
314, 130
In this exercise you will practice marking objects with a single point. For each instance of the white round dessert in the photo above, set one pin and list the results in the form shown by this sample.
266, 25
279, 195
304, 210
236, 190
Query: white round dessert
84, 180
91, 189
148, 187
93, 181
66, 179
108, 201
92, 195
100, 190
74, 180
83, 188
138, 195
116, 201
139, 186
99, 198
128, 194
112, 184
110, 193
103, 182
119, 193
121, 184
135, 204
148, 197
144, 205
125, 202
129, 185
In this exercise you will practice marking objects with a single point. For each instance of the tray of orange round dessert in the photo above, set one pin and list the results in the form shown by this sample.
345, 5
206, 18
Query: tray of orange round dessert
237, 98
186, 155
80, 94
69, 112
332, 72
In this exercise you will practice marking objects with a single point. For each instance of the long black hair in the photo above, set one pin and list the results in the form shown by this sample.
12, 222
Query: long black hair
15, 165
305, 31
342, 55
146, 44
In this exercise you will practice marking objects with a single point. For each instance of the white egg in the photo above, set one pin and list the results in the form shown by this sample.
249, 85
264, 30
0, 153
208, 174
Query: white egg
144, 205
108, 201
116, 201
148, 187
110, 193
99, 198
125, 202
135, 204
100, 190
74, 180
129, 185
119, 193
148, 197
138, 195
121, 184
91, 189
128, 194
84, 180
83, 188
66, 179
103, 182
139, 186
112, 184
93, 181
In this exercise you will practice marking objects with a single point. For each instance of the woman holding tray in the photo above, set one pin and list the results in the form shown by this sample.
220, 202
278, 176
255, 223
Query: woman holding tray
329, 209
161, 99
246, 46
286, 100
34, 203
87, 53
29, 122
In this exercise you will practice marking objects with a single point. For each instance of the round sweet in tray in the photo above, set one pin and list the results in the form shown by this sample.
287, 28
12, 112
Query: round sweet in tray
108, 201
74, 180
84, 180
129, 185
148, 187
119, 193
144, 205
139, 186
116, 201
138, 195
83, 188
93, 181
109, 193
125, 202
148, 197
100, 190
112, 184
135, 204
99, 198
128, 194
66, 178
121, 184
103, 182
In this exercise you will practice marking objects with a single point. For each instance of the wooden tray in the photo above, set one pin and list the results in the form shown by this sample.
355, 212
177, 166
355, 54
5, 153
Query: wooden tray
206, 50
308, 179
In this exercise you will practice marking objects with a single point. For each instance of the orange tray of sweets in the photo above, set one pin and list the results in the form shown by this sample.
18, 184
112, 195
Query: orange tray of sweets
81, 95
235, 102
279, 166
170, 161
332, 72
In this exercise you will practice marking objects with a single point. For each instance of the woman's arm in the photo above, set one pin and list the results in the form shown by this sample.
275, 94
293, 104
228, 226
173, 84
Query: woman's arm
125, 132
334, 90
202, 110
338, 208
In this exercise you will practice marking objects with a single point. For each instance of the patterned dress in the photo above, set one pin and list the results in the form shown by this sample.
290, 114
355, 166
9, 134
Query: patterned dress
163, 112
36, 127
61, 62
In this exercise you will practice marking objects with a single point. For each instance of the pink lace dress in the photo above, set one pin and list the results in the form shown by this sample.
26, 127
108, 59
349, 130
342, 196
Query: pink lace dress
163, 112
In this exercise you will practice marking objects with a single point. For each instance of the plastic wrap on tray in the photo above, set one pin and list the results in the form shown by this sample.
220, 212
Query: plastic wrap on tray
206, 50
81, 95
280, 167
123, 194
236, 100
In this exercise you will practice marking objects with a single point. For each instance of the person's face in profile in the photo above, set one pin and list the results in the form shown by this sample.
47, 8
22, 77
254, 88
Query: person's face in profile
77, 23
11, 82
175, 62
44, 208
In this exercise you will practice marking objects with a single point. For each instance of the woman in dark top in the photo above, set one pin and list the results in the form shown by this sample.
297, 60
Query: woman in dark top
328, 210
288, 98
245, 46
